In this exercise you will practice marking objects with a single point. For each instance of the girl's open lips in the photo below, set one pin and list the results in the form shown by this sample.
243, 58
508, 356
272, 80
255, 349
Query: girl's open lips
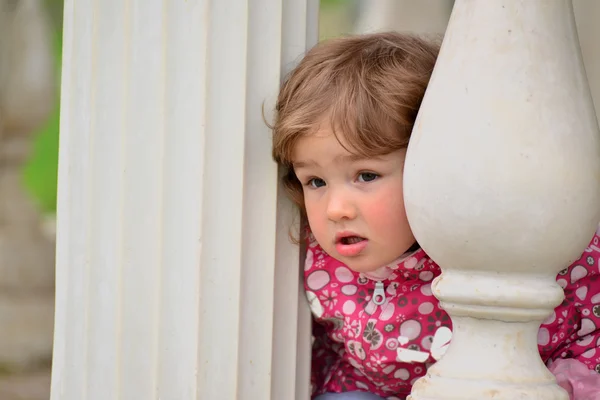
351, 245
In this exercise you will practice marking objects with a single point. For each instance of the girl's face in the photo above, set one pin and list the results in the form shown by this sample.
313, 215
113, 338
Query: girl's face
355, 206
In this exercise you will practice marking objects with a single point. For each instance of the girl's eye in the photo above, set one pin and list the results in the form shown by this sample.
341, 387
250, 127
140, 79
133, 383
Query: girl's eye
316, 183
367, 176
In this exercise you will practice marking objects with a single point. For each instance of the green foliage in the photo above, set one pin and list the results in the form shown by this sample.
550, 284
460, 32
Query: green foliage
40, 172
332, 3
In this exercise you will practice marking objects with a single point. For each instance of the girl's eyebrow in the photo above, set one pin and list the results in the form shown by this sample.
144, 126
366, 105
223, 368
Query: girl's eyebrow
338, 158
304, 164
357, 157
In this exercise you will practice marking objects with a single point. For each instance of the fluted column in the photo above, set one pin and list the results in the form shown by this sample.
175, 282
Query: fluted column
170, 255
502, 189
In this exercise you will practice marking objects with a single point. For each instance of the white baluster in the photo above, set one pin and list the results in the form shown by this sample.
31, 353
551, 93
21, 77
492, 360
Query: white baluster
502, 190
168, 244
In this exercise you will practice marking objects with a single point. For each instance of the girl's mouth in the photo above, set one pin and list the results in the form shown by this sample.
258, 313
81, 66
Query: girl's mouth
351, 245
351, 239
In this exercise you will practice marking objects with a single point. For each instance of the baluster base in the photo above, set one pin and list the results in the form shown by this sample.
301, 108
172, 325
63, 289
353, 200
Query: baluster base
489, 359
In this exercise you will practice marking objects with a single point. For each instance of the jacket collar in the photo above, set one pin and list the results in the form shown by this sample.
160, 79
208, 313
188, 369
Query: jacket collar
406, 262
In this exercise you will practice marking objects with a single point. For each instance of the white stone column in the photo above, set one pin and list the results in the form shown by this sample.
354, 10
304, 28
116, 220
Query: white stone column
170, 257
502, 190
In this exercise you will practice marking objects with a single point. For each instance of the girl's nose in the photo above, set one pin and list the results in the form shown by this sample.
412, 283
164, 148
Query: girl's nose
340, 207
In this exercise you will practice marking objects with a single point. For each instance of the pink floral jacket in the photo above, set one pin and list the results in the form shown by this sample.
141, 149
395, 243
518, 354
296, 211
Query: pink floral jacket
383, 349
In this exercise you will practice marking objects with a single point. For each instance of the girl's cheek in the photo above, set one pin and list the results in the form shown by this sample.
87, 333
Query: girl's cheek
316, 216
387, 206
380, 213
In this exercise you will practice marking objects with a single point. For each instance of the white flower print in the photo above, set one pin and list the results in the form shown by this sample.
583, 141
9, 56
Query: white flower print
352, 327
320, 263
329, 299
378, 360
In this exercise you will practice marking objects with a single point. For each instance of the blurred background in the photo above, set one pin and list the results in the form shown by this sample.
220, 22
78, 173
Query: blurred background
30, 61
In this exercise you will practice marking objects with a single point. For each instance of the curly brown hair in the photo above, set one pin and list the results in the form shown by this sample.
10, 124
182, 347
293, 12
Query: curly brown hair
369, 86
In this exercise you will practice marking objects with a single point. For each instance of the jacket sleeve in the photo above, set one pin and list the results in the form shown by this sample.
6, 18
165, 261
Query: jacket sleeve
573, 329
579, 382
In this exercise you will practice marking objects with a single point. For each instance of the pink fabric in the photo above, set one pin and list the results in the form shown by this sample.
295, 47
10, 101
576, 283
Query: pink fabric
578, 380
356, 341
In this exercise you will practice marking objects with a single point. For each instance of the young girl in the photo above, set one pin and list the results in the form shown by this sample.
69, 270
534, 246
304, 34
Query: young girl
344, 118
